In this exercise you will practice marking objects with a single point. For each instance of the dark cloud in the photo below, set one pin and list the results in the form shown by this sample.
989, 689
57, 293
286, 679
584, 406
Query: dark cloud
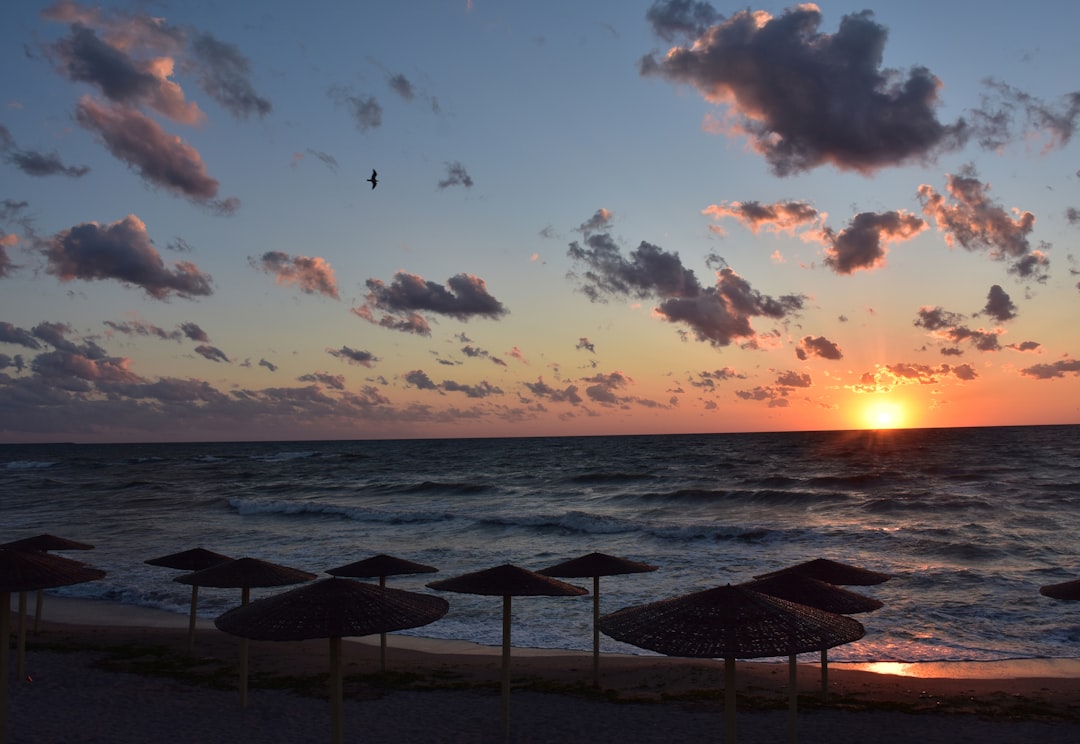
1060, 368
1025, 346
541, 389
465, 296
586, 344
224, 73
269, 365
401, 85
366, 112
648, 271
328, 160
806, 98
75, 372
973, 221
194, 332
671, 19
1072, 214
213, 353
121, 251
10, 334
925, 374
709, 378
142, 328
312, 274
39, 164
482, 390
159, 158
818, 347
793, 379
999, 305
776, 397
604, 388
456, 175
419, 379
335, 382
779, 217
994, 121
601, 220
354, 356
862, 245
948, 326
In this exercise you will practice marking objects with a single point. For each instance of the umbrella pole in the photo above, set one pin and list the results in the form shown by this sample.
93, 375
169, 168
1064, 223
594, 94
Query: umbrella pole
244, 596
382, 636
20, 655
824, 674
5, 643
596, 631
506, 668
37, 610
191, 620
793, 699
336, 707
729, 700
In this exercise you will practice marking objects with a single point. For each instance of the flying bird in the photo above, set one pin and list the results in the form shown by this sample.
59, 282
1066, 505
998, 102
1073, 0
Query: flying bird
374, 178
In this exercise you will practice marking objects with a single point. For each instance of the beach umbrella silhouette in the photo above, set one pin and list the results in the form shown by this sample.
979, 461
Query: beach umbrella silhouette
332, 608
23, 571
1068, 590
381, 566
730, 622
795, 587
195, 559
507, 581
833, 572
43, 544
245, 573
595, 565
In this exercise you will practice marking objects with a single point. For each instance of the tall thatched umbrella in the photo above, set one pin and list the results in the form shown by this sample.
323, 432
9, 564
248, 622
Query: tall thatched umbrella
1068, 590
795, 587
23, 571
195, 559
507, 581
245, 573
730, 622
43, 544
595, 565
833, 572
381, 565
332, 608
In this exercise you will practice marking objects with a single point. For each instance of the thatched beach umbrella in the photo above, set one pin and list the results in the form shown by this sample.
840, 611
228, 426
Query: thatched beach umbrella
381, 565
595, 565
795, 587
1068, 590
245, 573
332, 608
195, 559
833, 572
729, 622
507, 581
42, 544
23, 571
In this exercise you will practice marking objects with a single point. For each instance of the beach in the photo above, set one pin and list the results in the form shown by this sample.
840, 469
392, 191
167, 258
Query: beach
108, 672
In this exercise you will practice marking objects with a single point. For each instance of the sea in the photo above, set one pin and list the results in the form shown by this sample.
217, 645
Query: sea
969, 523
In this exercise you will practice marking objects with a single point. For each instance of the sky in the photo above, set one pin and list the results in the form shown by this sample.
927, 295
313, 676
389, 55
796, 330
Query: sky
589, 218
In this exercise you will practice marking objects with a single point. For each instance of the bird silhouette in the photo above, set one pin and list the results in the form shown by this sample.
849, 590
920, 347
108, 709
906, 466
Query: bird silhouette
374, 180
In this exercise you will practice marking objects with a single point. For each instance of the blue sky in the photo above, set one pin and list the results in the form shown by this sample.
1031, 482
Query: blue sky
603, 217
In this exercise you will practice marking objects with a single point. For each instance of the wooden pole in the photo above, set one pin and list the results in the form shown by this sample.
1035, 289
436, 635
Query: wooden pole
20, 654
5, 644
506, 668
596, 631
245, 594
37, 610
382, 636
793, 699
191, 619
336, 704
729, 700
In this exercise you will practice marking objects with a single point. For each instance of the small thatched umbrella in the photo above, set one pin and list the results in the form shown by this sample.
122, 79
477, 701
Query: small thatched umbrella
507, 581
795, 587
595, 565
1068, 590
730, 622
833, 572
245, 573
42, 544
332, 608
23, 571
195, 559
381, 565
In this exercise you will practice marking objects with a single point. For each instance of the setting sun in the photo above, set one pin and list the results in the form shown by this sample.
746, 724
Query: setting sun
883, 415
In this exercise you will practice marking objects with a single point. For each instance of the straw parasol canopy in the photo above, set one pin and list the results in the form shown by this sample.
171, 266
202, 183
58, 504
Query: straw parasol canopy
596, 565
332, 608
195, 559
507, 581
245, 573
1069, 590
22, 571
41, 543
381, 565
833, 572
730, 622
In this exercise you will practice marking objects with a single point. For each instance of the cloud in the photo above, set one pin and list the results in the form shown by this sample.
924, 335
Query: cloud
709, 378
681, 18
194, 332
419, 379
483, 389
805, 98
159, 158
649, 270
604, 388
401, 85
862, 245
818, 347
354, 356
755, 216
601, 220
793, 379
947, 325
776, 397
994, 120
1060, 368
335, 382
142, 328
10, 334
328, 160
213, 353
541, 389
999, 305
465, 296
34, 163
74, 372
269, 365
312, 274
124, 252
224, 74
366, 112
456, 175
976, 223
586, 344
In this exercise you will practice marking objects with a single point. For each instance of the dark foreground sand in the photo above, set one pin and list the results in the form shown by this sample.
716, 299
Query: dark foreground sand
102, 673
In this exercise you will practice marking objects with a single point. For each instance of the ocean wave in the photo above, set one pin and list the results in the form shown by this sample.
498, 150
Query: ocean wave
572, 522
928, 503
250, 507
764, 496
286, 456
29, 464
425, 487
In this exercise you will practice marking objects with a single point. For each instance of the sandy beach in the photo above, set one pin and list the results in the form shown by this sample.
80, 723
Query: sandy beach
103, 672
